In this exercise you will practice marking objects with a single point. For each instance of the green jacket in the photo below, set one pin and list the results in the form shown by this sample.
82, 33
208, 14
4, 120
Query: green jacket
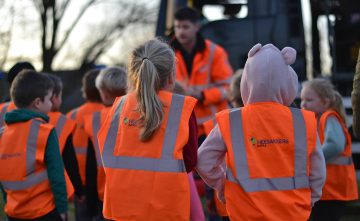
53, 160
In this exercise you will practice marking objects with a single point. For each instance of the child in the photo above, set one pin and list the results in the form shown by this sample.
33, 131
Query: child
144, 142
274, 169
13, 72
80, 139
32, 172
64, 128
111, 83
319, 96
234, 95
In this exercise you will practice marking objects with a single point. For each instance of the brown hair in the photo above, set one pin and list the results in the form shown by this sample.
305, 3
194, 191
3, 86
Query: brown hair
88, 86
29, 85
234, 93
58, 84
150, 66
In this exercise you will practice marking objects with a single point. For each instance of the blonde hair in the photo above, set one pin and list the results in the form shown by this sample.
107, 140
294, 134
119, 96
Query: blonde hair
326, 90
150, 66
112, 80
234, 92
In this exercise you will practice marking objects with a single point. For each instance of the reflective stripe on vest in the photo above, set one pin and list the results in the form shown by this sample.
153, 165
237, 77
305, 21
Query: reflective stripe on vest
2, 113
32, 178
74, 113
205, 67
96, 127
81, 150
60, 125
300, 179
166, 163
78, 150
340, 160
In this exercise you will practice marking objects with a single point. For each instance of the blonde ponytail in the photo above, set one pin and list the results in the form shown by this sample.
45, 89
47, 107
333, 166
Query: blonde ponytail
150, 67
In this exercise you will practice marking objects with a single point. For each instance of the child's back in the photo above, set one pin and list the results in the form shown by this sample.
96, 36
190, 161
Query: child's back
319, 96
32, 172
270, 148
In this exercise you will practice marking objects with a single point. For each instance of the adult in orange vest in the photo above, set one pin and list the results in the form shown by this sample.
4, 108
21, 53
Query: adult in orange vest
202, 67
275, 169
80, 139
319, 96
111, 83
13, 72
143, 142
64, 128
32, 172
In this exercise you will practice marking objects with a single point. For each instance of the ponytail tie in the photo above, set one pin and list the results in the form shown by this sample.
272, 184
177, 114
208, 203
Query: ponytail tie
144, 59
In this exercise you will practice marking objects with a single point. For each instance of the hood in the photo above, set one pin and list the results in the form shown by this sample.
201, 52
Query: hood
21, 115
268, 77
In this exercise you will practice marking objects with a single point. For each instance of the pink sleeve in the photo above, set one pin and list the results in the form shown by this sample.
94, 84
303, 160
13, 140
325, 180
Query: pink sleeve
196, 210
211, 155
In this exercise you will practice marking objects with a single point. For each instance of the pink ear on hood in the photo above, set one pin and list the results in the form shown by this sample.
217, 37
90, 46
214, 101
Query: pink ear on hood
289, 55
254, 49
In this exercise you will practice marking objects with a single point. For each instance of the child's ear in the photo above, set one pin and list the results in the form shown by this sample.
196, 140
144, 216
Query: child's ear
327, 102
37, 102
53, 97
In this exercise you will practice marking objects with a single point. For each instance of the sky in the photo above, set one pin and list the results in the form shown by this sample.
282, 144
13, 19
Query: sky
26, 44
26, 41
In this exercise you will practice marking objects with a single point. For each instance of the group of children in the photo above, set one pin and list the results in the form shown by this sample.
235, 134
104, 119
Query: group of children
126, 152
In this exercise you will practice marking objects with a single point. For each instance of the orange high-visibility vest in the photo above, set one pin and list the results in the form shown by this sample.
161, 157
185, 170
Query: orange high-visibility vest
80, 138
340, 181
211, 73
23, 171
146, 180
220, 207
209, 125
268, 150
5, 107
92, 127
63, 127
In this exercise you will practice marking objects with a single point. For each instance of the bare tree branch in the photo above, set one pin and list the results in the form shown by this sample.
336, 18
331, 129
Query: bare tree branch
76, 20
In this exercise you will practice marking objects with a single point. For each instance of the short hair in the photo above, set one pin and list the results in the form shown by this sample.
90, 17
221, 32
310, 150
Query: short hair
187, 13
235, 94
58, 84
28, 86
89, 88
17, 68
112, 80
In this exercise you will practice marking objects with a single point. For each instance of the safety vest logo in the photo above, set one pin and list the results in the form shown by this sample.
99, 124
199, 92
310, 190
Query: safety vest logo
264, 142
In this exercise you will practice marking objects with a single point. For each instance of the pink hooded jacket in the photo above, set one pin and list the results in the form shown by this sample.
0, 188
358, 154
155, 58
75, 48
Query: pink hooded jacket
267, 77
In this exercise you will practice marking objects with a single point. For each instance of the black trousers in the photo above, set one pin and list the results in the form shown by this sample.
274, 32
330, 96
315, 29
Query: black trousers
328, 210
52, 216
